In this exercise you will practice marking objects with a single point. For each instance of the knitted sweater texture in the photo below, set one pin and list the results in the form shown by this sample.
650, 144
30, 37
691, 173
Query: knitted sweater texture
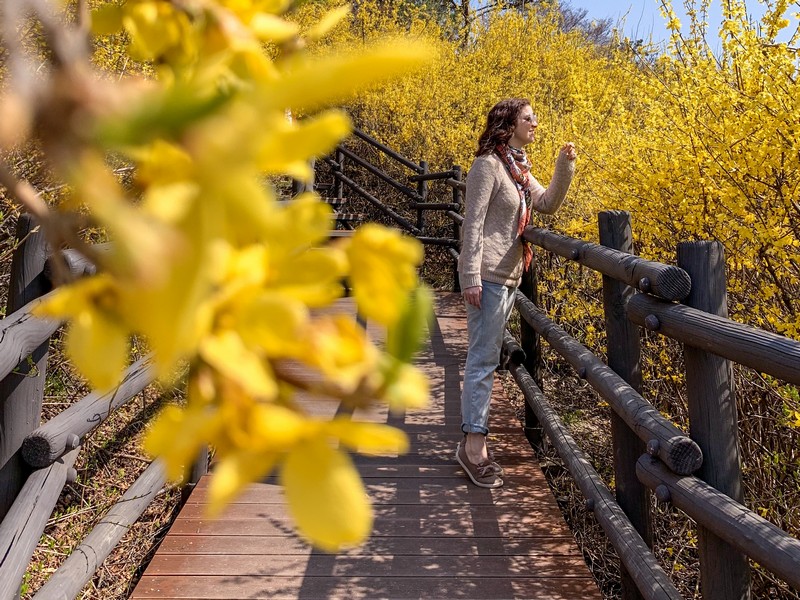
491, 248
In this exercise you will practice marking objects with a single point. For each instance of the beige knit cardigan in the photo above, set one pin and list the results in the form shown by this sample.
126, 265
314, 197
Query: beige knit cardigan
491, 248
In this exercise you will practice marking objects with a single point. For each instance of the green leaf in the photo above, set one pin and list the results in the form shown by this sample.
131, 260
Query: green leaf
404, 339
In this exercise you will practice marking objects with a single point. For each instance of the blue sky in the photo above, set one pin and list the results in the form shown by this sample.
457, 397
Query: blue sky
643, 16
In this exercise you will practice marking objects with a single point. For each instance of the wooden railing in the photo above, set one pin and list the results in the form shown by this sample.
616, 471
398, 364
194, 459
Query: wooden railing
36, 461
700, 474
410, 212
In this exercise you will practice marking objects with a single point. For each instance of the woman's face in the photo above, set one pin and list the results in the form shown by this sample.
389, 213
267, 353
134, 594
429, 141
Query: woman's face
525, 128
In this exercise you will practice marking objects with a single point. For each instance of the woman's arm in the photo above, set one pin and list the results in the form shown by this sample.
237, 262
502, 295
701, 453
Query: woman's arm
480, 185
548, 200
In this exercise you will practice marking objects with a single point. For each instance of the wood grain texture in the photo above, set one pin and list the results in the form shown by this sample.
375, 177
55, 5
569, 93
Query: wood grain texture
761, 350
641, 565
665, 281
624, 354
713, 422
44, 445
765, 543
675, 448
71, 577
435, 535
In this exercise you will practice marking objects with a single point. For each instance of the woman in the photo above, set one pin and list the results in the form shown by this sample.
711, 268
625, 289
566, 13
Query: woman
500, 195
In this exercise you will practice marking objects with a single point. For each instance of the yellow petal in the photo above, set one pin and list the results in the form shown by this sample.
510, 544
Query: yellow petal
326, 496
368, 438
332, 79
314, 277
177, 435
278, 428
383, 267
272, 28
71, 300
233, 473
291, 143
408, 388
339, 347
328, 22
272, 322
98, 346
227, 354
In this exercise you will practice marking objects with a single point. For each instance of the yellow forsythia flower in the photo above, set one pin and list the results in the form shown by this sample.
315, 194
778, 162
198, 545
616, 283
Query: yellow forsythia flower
383, 270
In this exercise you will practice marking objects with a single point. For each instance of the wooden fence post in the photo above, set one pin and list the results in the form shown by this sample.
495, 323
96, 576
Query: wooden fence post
532, 345
298, 187
22, 390
422, 190
457, 199
724, 571
338, 185
623, 349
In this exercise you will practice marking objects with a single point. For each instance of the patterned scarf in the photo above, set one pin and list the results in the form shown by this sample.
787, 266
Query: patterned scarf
518, 166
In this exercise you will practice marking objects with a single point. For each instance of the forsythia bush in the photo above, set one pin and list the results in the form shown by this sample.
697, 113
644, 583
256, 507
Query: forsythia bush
206, 264
695, 146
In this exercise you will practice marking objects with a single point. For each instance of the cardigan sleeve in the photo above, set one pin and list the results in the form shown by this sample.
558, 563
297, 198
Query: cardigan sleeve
549, 200
480, 186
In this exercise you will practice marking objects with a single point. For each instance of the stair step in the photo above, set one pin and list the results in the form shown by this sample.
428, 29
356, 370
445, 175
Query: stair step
347, 216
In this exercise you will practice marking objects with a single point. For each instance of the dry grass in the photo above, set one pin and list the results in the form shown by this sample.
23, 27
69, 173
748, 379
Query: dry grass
109, 462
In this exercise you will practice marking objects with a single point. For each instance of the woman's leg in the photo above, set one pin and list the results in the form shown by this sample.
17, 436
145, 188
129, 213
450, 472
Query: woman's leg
485, 327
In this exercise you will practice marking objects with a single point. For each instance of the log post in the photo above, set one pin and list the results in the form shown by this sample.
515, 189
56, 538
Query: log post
338, 185
457, 199
531, 344
22, 390
623, 350
422, 191
724, 571
298, 187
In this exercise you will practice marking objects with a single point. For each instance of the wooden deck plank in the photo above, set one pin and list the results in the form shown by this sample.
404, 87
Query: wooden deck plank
353, 588
435, 534
413, 546
319, 565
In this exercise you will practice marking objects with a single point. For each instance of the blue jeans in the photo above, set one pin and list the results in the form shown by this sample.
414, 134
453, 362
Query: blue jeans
485, 327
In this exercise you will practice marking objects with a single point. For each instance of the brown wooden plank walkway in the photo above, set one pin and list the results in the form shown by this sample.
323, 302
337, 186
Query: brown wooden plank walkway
435, 534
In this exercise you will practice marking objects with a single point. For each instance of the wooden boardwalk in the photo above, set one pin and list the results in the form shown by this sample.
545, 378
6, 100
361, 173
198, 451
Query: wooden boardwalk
435, 534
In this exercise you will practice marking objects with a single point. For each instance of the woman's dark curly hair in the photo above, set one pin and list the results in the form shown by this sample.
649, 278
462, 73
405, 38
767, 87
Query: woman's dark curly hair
500, 124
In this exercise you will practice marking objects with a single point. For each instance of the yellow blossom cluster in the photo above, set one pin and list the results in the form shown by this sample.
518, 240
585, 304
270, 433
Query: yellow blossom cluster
210, 265
694, 144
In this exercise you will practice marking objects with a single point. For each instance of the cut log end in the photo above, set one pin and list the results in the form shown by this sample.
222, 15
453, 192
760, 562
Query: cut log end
38, 451
672, 283
684, 456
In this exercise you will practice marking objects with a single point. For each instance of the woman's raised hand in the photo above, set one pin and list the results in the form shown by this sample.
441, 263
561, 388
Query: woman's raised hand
569, 151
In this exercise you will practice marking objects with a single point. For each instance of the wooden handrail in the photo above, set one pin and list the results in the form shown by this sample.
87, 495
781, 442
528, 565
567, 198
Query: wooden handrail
666, 281
44, 445
639, 561
404, 189
21, 333
22, 527
432, 176
761, 350
80, 566
768, 545
671, 445
388, 151
405, 223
